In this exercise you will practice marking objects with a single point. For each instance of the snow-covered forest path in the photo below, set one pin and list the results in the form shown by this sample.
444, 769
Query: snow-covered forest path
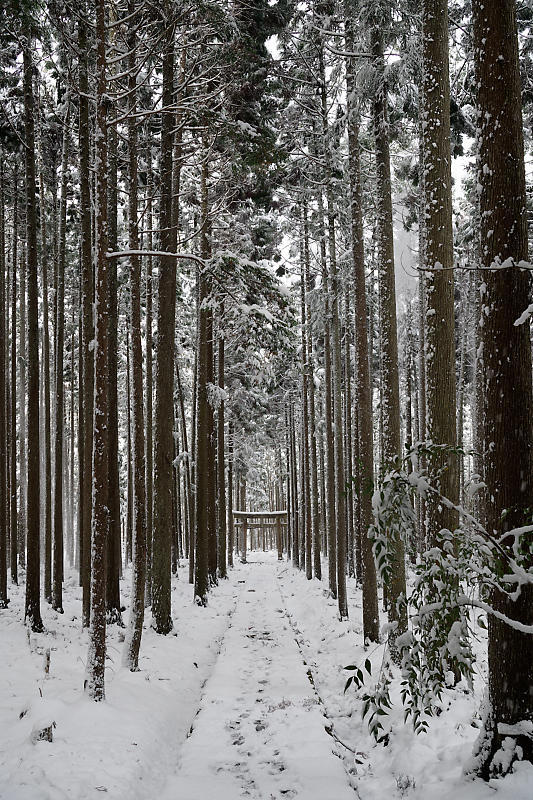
260, 731
236, 674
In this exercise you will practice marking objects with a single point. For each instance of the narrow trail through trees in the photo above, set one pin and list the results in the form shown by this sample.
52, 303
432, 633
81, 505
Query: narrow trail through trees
260, 731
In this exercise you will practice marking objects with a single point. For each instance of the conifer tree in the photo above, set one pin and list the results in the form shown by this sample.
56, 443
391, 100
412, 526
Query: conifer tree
508, 412
95, 668
164, 401
32, 612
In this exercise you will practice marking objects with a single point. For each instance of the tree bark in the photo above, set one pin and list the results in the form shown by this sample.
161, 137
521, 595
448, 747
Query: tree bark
164, 402
508, 417
128, 538
72, 468
330, 511
32, 612
306, 517
95, 668
87, 347
149, 385
362, 371
231, 528
315, 516
57, 586
221, 481
13, 410
422, 400
336, 361
47, 455
204, 421
113, 546
189, 503
133, 639
4, 443
294, 491
440, 328
390, 407
348, 434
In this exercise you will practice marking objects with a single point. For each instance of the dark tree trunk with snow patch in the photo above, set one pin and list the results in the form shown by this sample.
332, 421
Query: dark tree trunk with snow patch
508, 413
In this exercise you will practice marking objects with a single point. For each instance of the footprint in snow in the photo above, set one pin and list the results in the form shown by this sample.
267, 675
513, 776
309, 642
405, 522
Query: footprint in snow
276, 767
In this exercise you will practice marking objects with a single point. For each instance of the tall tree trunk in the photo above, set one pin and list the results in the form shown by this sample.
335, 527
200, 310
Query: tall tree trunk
440, 319
176, 184
508, 417
23, 435
330, 511
221, 480
422, 400
348, 432
323, 542
294, 491
81, 455
315, 516
306, 518
440, 329
390, 408
231, 529
57, 586
113, 547
362, 371
288, 480
47, 455
166, 309
95, 668
192, 465
128, 538
461, 375
4, 444
211, 460
13, 410
336, 362
87, 282
133, 640
244, 528
10, 432
358, 541
32, 612
204, 421
303, 500
189, 502
70, 537
149, 383
478, 279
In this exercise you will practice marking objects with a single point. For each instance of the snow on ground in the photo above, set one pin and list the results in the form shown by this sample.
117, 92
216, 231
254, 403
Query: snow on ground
245, 699
425, 767
260, 731
126, 746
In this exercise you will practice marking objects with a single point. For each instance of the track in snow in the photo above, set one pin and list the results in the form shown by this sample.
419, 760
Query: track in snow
260, 731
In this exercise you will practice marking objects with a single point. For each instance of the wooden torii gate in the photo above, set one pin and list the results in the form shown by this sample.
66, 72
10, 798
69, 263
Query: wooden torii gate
260, 519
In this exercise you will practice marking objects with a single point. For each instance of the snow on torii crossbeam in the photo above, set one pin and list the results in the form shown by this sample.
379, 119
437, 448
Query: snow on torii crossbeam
259, 520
